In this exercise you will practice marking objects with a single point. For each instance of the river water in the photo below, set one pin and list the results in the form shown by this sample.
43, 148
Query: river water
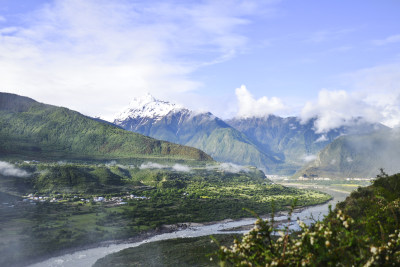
88, 257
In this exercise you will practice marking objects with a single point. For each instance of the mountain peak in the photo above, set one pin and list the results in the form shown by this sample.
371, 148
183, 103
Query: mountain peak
146, 106
142, 100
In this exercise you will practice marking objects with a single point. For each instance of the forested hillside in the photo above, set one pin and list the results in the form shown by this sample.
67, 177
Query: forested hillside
33, 130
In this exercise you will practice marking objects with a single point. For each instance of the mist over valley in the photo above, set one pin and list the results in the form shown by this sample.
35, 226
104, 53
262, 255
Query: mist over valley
199, 133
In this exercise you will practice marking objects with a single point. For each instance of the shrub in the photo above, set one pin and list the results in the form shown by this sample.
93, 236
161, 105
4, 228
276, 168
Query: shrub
362, 231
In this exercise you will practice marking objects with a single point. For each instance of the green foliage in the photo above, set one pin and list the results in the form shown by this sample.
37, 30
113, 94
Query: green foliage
363, 230
67, 178
39, 131
165, 197
175, 252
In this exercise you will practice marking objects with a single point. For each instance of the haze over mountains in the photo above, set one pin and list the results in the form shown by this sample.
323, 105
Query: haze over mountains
357, 156
273, 144
277, 145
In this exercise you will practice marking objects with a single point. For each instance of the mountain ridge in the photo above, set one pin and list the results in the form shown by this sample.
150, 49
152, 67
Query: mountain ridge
292, 140
274, 144
146, 106
355, 156
202, 130
32, 129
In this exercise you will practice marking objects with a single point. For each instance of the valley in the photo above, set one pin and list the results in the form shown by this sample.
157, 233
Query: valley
190, 244
286, 146
199, 133
119, 202
70, 182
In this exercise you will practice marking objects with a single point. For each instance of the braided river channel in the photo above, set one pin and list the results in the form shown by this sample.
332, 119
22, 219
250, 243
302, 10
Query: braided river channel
87, 257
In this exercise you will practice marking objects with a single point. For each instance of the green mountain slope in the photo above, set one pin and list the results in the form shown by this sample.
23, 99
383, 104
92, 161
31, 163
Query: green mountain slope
290, 140
201, 130
34, 130
357, 156
227, 144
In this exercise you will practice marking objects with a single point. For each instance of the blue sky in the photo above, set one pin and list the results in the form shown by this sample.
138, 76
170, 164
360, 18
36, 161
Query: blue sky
337, 60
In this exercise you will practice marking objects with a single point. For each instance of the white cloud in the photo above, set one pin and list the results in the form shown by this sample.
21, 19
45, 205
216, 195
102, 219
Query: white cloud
251, 107
233, 168
94, 55
375, 98
181, 168
338, 108
152, 165
228, 167
379, 87
389, 40
8, 169
308, 158
176, 167
322, 138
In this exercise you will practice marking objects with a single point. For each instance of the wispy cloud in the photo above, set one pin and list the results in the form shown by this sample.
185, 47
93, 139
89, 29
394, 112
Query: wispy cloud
379, 87
228, 167
389, 40
249, 106
181, 168
309, 158
322, 138
375, 98
8, 169
176, 167
152, 165
90, 48
338, 108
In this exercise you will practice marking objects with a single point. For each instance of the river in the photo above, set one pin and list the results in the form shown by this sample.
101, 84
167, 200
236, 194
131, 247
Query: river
88, 257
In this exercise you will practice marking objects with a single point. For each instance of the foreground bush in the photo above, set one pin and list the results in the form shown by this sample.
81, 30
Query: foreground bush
370, 237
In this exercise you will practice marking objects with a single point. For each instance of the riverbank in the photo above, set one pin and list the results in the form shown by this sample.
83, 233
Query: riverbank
34, 230
87, 257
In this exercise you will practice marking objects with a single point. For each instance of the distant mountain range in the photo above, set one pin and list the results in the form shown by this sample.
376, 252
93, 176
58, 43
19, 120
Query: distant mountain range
273, 144
166, 121
32, 130
357, 156
295, 143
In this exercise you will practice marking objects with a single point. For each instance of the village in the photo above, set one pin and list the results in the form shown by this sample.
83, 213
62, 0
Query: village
32, 199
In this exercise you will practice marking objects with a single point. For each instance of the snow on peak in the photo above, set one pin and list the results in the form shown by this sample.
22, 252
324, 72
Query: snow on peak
147, 106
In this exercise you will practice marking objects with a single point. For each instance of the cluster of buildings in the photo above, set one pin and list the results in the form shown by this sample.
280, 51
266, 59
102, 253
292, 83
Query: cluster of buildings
33, 199
119, 200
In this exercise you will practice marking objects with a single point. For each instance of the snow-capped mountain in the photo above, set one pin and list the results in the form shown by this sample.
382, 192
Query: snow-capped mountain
147, 107
272, 143
203, 130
